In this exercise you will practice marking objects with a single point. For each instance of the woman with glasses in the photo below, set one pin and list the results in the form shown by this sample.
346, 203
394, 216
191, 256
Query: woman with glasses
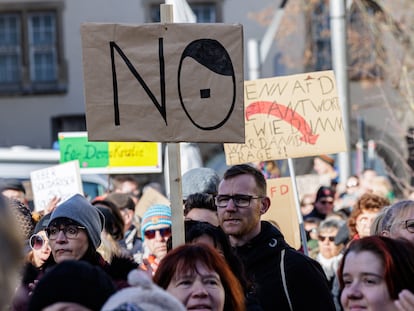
398, 220
155, 229
39, 244
35, 262
74, 233
363, 214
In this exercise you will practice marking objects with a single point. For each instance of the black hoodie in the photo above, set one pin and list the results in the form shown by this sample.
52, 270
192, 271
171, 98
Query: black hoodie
305, 280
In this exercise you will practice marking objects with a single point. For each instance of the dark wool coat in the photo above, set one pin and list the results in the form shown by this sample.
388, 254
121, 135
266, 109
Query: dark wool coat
306, 283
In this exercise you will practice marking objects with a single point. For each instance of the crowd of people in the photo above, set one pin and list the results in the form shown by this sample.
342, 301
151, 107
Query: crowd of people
101, 254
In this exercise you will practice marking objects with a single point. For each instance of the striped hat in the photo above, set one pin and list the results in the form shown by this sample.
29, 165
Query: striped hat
157, 214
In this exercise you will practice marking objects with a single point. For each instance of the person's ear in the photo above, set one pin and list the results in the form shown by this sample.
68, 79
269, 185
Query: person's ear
265, 205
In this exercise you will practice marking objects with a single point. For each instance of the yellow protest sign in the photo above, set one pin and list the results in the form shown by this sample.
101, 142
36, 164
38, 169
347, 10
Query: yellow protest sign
110, 157
289, 117
133, 154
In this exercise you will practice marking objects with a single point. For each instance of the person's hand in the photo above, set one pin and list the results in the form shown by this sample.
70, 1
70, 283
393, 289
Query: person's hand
32, 286
65, 306
405, 301
147, 268
52, 204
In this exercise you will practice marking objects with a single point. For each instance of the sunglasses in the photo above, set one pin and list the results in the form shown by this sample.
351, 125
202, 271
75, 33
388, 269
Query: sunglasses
36, 242
323, 238
164, 232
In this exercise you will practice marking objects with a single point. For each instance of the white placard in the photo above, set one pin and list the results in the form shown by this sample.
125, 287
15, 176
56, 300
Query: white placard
61, 180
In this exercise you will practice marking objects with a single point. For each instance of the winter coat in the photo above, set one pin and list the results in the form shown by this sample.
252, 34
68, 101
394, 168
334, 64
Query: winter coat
267, 257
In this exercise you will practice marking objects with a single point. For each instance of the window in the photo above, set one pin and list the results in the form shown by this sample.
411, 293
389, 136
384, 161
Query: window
31, 60
42, 47
10, 52
206, 12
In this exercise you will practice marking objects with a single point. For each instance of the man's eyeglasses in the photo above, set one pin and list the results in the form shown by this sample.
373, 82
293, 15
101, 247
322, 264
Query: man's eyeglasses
323, 238
239, 200
409, 225
164, 232
70, 231
36, 242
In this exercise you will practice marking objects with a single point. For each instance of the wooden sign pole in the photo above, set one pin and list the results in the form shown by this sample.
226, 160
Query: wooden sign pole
174, 165
297, 206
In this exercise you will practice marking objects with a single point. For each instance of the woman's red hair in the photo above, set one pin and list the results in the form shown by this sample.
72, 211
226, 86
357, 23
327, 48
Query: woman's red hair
184, 258
397, 256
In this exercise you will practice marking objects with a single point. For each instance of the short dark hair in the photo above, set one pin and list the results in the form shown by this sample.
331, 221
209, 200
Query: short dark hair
242, 169
199, 200
114, 223
121, 200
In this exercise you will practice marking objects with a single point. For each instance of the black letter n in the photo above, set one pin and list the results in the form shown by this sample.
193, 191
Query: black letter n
161, 108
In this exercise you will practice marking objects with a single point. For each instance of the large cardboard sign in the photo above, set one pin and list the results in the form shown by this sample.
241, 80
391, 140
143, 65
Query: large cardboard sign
109, 157
163, 82
282, 209
290, 117
61, 180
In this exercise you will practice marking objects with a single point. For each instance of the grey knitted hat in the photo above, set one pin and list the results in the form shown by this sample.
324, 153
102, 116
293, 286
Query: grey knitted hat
200, 179
79, 209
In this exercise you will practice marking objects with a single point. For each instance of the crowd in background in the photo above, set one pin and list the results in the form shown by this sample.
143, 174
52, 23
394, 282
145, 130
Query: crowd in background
104, 253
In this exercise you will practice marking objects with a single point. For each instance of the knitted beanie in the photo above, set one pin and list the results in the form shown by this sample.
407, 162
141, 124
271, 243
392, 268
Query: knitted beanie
200, 179
143, 295
157, 214
79, 209
73, 281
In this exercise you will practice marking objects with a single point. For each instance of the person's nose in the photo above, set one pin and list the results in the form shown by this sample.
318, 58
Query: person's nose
326, 241
353, 290
45, 245
61, 237
230, 205
158, 236
199, 290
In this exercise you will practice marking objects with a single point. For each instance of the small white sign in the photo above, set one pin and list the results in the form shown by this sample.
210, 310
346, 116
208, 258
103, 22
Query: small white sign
60, 181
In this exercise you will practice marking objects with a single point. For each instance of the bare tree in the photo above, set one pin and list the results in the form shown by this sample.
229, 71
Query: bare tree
381, 70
